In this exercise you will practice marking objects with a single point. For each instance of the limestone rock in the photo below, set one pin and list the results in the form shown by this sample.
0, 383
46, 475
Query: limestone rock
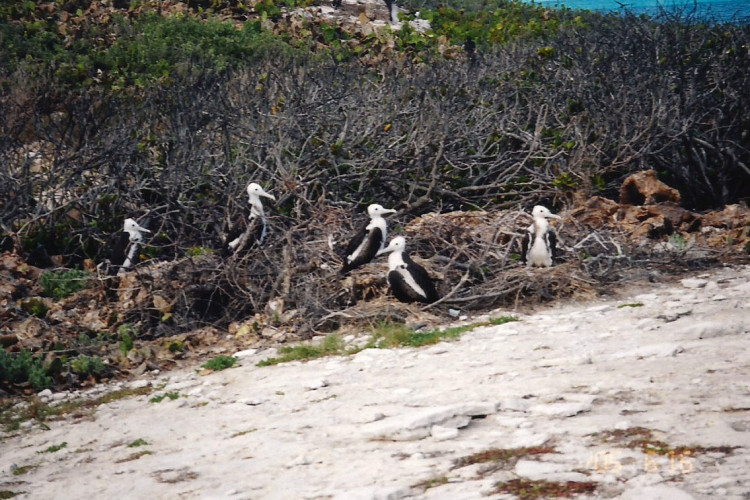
643, 188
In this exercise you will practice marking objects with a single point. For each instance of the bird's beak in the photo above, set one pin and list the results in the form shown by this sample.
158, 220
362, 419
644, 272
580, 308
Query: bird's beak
384, 250
553, 216
268, 195
389, 211
142, 229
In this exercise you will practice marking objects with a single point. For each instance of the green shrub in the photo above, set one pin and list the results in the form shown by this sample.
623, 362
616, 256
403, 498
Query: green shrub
88, 365
169, 395
220, 363
35, 307
21, 368
127, 334
62, 284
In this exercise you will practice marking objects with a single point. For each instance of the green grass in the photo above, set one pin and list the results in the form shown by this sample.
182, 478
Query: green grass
19, 471
170, 395
11, 416
632, 304
386, 335
220, 363
54, 448
138, 442
329, 346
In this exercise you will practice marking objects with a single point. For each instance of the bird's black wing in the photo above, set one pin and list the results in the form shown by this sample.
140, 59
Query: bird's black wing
119, 248
552, 242
423, 279
401, 290
525, 242
367, 253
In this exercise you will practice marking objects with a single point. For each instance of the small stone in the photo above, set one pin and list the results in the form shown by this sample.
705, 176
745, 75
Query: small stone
139, 384
45, 393
245, 354
440, 433
316, 384
693, 283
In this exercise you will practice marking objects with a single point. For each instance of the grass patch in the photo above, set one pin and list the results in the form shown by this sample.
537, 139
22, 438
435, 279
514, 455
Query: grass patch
134, 456
20, 471
11, 417
502, 457
242, 433
501, 320
431, 483
641, 438
384, 336
632, 304
331, 345
138, 442
220, 363
54, 448
9, 494
170, 395
528, 489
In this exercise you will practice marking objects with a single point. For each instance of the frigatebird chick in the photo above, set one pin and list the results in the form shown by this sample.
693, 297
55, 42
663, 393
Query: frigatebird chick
539, 245
125, 250
409, 281
368, 241
250, 227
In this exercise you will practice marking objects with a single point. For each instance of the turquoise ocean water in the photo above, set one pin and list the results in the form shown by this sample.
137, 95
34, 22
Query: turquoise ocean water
721, 10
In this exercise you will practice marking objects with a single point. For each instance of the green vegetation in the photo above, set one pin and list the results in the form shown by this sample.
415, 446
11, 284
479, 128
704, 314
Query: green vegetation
88, 366
35, 306
172, 395
643, 439
11, 416
242, 433
384, 336
21, 368
138, 442
62, 284
331, 345
19, 471
432, 482
631, 304
527, 489
502, 457
127, 333
54, 448
220, 363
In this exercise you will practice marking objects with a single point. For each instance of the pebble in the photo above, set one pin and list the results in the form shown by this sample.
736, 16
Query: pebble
693, 283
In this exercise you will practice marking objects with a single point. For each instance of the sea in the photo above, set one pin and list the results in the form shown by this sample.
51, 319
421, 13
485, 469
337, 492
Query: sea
718, 10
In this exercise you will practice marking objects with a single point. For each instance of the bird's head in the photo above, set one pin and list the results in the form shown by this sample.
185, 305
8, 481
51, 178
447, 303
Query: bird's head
375, 210
255, 191
397, 244
132, 227
540, 211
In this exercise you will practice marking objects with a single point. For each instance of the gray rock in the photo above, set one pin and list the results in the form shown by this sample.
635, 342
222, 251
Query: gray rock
418, 424
693, 283
561, 410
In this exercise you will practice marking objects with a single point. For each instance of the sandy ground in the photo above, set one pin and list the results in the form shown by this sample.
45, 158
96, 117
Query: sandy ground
669, 365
